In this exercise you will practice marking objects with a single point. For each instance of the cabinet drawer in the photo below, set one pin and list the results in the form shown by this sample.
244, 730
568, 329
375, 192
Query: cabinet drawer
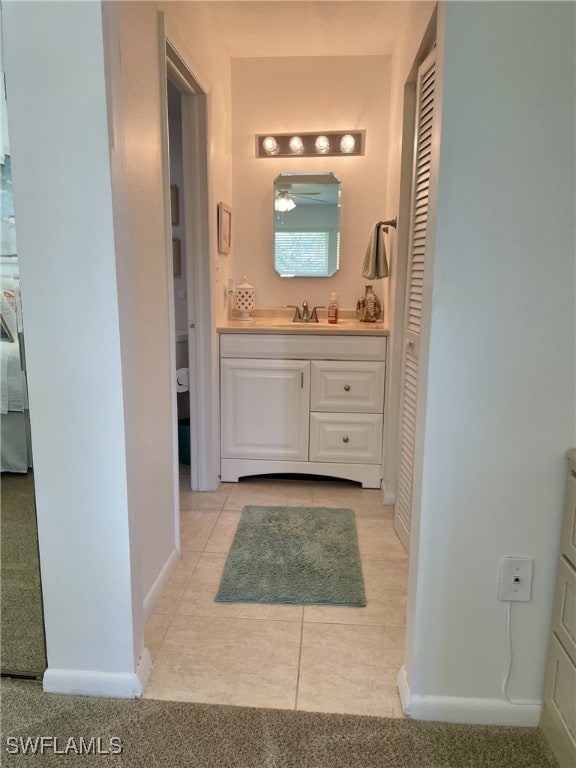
564, 616
303, 346
354, 438
568, 543
347, 387
559, 690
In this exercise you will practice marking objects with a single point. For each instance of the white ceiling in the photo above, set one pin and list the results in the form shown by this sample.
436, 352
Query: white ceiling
308, 27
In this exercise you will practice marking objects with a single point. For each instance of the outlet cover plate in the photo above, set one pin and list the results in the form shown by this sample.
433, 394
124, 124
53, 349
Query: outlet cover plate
516, 579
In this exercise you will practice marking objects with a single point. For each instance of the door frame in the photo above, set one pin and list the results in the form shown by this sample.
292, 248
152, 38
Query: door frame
194, 90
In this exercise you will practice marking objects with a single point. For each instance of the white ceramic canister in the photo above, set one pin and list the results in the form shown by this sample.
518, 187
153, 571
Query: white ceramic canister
245, 299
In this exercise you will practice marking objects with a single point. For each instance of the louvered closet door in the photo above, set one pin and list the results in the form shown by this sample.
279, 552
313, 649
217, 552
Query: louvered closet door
415, 294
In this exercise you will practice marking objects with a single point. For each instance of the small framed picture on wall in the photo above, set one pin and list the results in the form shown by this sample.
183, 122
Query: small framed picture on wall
174, 205
176, 257
224, 228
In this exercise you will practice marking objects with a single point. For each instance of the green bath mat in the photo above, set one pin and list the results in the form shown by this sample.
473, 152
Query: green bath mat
303, 555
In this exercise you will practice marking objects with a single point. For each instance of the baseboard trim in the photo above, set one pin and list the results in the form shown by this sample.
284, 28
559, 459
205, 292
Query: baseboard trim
454, 709
144, 668
403, 689
388, 496
81, 682
402, 532
157, 588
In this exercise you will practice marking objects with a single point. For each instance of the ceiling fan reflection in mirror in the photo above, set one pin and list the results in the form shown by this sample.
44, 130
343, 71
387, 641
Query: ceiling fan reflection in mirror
283, 202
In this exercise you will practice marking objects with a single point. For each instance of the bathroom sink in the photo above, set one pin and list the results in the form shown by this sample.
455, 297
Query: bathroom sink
323, 325
298, 324
284, 325
282, 321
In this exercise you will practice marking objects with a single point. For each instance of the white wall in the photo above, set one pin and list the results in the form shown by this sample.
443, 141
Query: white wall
63, 203
141, 260
91, 224
308, 94
500, 390
145, 288
189, 26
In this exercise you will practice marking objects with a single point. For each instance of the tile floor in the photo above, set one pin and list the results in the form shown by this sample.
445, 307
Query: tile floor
319, 658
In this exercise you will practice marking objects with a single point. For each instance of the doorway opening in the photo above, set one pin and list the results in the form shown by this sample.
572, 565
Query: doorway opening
188, 271
179, 281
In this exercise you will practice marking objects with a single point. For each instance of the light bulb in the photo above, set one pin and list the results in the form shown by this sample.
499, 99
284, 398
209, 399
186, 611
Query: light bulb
347, 143
284, 203
296, 145
322, 144
270, 145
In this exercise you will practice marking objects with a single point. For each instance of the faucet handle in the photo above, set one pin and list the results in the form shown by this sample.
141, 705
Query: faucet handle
297, 315
314, 316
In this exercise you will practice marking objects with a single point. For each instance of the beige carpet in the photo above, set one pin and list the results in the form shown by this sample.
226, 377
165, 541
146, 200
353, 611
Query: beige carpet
21, 621
176, 735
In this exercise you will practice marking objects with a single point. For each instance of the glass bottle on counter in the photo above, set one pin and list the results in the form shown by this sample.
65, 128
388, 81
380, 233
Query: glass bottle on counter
333, 308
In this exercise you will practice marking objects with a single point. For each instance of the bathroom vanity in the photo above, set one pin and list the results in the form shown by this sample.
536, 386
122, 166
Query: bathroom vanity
302, 398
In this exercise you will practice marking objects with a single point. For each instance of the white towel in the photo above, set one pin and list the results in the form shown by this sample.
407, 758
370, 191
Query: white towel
375, 265
182, 380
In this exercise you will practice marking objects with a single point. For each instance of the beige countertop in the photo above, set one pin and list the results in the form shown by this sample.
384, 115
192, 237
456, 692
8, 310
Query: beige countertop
264, 321
344, 327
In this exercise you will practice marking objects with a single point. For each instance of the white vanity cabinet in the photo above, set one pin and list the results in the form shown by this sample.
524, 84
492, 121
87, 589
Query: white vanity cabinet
302, 403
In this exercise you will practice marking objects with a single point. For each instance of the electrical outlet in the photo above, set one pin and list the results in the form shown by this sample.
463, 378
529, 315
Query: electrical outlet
516, 578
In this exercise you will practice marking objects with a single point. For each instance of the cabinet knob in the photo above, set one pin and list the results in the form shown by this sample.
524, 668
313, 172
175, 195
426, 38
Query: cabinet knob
346, 439
346, 387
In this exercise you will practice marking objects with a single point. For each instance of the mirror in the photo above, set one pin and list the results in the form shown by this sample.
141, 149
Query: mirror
306, 224
23, 651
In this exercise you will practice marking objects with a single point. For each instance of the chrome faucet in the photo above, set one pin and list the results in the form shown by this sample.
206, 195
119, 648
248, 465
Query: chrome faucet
304, 316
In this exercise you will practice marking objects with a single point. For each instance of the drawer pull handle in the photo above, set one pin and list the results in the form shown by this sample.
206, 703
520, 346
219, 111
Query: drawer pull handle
346, 387
346, 439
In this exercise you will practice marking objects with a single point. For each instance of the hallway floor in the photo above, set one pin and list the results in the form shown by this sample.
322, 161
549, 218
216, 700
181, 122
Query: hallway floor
315, 658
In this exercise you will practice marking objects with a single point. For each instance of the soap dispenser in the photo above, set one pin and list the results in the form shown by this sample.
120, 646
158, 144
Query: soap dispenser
333, 308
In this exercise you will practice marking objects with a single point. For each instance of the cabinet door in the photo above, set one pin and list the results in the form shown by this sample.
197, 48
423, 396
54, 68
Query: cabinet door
264, 409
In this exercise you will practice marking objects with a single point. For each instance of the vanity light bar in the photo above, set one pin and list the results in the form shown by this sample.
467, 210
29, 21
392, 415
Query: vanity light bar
326, 144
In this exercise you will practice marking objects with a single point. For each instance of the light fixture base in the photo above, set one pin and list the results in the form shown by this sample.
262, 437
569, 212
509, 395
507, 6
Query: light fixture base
311, 144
